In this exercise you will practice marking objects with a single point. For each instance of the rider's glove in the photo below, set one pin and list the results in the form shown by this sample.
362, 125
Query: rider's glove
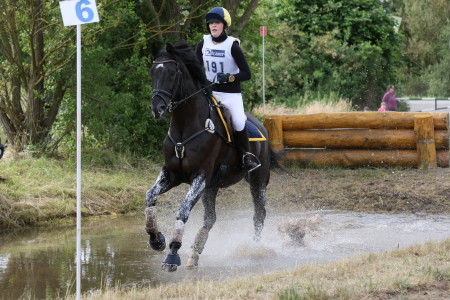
224, 78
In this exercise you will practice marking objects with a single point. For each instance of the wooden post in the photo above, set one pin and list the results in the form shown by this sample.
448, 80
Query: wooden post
426, 148
274, 126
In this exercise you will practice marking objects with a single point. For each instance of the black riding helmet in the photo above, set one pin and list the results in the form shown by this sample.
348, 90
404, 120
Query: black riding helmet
218, 14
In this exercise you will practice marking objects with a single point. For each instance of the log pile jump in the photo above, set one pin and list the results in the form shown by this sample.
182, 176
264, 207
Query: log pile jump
362, 138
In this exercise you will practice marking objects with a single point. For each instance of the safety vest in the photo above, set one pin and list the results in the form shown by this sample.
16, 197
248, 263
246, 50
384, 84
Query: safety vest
217, 58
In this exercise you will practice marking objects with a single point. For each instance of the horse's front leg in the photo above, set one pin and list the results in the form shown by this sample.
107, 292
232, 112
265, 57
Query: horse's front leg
164, 183
195, 191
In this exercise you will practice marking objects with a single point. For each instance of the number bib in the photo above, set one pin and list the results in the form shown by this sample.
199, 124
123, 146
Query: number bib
217, 57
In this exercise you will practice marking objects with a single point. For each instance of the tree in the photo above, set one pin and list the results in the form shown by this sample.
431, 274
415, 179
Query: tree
425, 26
343, 46
35, 56
175, 20
37, 66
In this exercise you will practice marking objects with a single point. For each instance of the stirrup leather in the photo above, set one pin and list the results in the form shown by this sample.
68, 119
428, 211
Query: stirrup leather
254, 160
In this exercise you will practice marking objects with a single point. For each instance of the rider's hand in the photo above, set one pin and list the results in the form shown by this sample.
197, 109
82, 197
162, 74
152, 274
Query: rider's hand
222, 77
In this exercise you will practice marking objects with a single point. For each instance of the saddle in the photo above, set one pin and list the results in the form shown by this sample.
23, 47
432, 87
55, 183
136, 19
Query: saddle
254, 134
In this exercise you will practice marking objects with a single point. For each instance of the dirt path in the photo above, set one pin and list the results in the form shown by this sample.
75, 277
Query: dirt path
364, 189
373, 190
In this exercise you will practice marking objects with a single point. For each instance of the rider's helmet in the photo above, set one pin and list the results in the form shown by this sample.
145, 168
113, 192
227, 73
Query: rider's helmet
218, 14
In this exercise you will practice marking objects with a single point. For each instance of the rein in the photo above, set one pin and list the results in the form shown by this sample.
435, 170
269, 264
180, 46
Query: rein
172, 105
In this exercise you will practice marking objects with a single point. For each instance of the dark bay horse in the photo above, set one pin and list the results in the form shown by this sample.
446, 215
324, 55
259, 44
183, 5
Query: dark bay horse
197, 151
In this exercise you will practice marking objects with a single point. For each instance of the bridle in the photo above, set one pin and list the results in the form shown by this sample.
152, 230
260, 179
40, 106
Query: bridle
167, 96
170, 103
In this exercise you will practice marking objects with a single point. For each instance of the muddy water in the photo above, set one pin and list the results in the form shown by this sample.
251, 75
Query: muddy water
41, 264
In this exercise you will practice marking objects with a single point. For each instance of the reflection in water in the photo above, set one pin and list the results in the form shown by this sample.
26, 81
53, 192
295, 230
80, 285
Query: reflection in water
41, 264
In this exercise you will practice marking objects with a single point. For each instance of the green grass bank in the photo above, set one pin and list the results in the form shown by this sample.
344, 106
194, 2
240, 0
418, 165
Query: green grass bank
40, 191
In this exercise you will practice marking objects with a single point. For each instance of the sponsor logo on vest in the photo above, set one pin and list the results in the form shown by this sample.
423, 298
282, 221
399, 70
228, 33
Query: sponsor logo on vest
215, 53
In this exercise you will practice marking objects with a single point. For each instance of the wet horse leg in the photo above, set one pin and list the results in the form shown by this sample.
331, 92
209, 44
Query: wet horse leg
209, 218
259, 202
172, 259
162, 185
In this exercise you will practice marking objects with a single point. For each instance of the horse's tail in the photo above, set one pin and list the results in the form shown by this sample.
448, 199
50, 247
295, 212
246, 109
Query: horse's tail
274, 165
274, 157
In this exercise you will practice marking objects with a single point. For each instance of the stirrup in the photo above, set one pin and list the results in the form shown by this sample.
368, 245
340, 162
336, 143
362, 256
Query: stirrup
254, 160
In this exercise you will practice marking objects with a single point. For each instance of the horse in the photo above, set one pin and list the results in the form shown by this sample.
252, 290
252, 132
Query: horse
198, 150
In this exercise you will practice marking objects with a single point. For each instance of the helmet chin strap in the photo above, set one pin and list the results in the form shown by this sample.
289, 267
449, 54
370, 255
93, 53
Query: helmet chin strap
222, 37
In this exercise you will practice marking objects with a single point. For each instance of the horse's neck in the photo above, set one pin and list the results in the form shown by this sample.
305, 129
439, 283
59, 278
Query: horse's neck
190, 115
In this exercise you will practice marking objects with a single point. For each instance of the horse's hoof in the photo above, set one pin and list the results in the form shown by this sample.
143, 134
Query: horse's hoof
168, 267
172, 259
192, 262
257, 238
159, 243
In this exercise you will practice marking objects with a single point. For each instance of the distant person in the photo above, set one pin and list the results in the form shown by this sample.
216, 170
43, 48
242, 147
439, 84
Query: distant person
366, 108
390, 99
2, 149
382, 107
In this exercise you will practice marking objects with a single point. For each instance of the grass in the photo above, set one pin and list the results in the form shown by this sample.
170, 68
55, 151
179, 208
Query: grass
418, 272
327, 104
35, 191
42, 191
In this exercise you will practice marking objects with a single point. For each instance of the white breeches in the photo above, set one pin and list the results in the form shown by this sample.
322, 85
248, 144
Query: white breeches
234, 103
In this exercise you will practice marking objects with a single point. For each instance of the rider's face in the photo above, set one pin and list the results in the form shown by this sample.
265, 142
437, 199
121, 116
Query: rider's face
216, 28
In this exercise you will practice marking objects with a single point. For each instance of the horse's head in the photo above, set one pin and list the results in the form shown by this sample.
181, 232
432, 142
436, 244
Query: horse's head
167, 78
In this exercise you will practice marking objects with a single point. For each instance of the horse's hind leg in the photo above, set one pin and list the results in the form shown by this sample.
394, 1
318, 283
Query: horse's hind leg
259, 202
162, 184
209, 218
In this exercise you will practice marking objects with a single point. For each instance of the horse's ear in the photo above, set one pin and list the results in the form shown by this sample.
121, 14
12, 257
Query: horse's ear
154, 53
155, 50
170, 49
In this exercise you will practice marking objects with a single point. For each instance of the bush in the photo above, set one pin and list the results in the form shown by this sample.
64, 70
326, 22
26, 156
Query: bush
348, 48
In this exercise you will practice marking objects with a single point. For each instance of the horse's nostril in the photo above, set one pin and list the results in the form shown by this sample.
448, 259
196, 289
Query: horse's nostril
161, 110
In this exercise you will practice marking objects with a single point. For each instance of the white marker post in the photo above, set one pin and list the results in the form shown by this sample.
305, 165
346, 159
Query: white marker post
263, 33
77, 12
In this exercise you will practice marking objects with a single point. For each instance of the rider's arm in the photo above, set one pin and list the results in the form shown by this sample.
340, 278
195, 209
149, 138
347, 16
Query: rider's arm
241, 62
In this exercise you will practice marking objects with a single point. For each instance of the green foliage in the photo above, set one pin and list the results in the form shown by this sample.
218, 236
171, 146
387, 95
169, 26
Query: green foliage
438, 75
314, 50
348, 47
116, 90
426, 49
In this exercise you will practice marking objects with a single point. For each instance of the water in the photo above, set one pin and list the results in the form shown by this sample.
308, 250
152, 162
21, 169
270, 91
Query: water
41, 263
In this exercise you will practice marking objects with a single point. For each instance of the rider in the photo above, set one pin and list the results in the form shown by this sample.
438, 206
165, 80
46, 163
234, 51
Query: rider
225, 64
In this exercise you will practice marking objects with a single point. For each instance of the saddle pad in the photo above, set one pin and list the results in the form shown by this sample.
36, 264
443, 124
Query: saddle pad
254, 135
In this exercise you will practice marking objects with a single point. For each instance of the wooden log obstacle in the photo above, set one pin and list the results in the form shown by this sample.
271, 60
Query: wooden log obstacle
362, 138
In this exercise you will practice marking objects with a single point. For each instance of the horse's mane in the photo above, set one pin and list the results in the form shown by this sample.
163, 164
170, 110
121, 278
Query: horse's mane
183, 52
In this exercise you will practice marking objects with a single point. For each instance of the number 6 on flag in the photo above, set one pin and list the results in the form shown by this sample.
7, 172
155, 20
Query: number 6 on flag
76, 12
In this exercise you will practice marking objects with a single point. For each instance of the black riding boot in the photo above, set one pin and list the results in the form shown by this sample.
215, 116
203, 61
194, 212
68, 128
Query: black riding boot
249, 161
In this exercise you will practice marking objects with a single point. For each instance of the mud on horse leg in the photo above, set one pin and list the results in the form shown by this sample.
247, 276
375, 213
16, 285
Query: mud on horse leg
163, 183
172, 259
